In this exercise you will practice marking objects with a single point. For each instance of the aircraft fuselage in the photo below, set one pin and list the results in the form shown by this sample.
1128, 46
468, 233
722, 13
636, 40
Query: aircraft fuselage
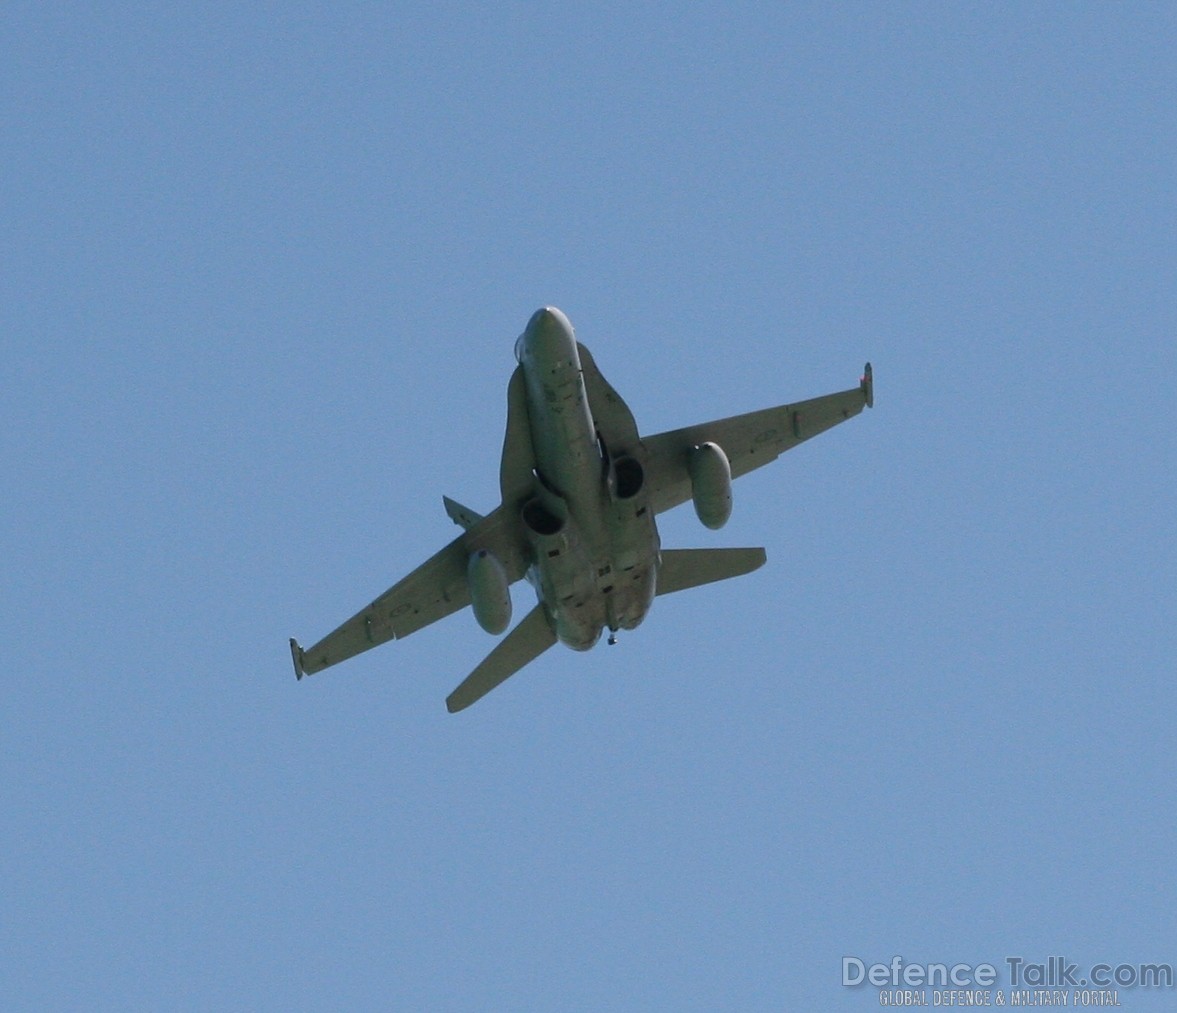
595, 542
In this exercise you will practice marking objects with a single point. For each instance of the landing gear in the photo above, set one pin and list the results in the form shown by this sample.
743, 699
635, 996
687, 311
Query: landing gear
612, 638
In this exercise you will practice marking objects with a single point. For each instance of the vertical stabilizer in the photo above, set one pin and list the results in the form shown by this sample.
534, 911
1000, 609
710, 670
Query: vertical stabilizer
464, 517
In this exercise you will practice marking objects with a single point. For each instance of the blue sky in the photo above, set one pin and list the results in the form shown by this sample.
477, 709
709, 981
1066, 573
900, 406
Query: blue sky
263, 267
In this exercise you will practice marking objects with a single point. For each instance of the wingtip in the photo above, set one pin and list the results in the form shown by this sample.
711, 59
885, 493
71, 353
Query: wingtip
868, 385
296, 657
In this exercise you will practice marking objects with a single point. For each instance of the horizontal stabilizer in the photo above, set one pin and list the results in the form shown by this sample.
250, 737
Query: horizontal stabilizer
683, 568
523, 644
462, 516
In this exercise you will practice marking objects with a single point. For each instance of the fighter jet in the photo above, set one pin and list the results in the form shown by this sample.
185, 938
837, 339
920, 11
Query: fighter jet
580, 494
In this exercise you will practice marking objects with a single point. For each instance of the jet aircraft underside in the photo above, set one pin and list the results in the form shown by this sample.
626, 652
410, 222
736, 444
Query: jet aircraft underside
580, 494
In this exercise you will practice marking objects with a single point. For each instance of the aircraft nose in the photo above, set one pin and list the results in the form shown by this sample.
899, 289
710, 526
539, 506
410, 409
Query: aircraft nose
548, 319
540, 317
549, 334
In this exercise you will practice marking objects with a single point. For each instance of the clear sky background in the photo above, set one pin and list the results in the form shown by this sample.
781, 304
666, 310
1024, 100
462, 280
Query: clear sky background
263, 268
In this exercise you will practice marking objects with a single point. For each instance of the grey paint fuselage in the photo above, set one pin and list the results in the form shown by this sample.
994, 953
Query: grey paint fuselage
580, 488
600, 568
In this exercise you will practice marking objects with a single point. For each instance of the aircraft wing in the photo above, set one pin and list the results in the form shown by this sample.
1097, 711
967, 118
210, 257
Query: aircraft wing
749, 440
431, 592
